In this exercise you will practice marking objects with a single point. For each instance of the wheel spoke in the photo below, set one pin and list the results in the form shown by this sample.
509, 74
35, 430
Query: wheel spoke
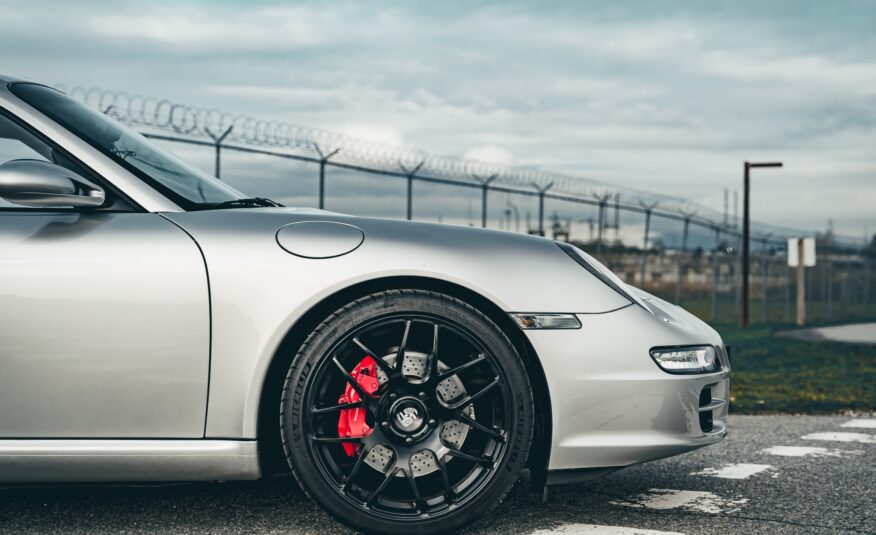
468, 457
355, 471
353, 382
475, 361
400, 355
468, 400
421, 503
335, 440
388, 477
448, 489
314, 411
480, 427
433, 355
382, 364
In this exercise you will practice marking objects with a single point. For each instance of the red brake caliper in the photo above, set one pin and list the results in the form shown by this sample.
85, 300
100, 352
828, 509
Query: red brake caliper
351, 422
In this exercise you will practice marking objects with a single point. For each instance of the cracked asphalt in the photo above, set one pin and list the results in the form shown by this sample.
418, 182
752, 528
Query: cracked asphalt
831, 493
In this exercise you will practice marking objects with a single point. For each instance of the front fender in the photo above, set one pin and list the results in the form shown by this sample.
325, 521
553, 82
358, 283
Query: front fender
259, 290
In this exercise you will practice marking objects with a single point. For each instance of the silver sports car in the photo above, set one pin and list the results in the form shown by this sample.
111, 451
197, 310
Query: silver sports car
158, 325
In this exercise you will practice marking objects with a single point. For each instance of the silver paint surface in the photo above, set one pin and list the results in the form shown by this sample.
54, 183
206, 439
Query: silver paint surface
104, 327
86, 461
259, 291
112, 326
39, 183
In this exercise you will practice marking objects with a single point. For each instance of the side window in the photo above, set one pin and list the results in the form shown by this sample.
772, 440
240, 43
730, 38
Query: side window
18, 144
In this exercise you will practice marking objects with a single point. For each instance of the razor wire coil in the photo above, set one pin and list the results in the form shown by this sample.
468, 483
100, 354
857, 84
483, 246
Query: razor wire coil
166, 116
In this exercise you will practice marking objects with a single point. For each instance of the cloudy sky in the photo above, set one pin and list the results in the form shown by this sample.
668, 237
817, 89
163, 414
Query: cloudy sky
665, 96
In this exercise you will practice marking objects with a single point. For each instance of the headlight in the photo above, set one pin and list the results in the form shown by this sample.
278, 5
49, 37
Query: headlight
600, 272
699, 359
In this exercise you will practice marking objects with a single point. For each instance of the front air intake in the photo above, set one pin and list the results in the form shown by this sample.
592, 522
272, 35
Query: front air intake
706, 407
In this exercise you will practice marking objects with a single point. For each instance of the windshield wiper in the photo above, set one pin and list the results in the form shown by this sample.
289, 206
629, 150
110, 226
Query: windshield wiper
250, 202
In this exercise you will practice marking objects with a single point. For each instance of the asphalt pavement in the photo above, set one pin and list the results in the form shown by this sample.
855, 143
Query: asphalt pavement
774, 474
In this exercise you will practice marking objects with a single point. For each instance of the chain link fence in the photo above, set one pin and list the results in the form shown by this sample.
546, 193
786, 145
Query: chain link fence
681, 251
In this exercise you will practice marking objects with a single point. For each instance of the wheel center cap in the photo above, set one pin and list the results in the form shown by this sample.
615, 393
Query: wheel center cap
408, 415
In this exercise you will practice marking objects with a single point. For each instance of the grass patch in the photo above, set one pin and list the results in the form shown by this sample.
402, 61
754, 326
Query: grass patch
777, 374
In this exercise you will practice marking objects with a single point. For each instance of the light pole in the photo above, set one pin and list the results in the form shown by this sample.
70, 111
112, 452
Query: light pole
746, 231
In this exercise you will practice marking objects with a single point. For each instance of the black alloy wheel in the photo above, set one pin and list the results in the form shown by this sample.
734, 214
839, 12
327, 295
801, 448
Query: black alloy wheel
407, 411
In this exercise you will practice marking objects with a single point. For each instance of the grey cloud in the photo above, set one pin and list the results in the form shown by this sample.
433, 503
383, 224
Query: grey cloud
670, 97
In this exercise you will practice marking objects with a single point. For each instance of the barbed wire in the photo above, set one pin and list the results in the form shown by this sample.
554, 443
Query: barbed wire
163, 115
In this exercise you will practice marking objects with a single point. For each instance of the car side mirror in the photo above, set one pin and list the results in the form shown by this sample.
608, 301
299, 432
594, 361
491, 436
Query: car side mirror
41, 184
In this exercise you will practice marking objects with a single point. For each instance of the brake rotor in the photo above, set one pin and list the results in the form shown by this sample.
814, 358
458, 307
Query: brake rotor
381, 457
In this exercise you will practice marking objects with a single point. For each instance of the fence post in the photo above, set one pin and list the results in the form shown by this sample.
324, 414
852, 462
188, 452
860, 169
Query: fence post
678, 260
829, 288
648, 209
765, 275
410, 176
715, 274
323, 158
217, 144
786, 316
600, 228
541, 192
737, 274
485, 186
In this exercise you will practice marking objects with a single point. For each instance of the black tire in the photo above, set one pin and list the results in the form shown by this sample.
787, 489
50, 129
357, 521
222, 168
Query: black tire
500, 415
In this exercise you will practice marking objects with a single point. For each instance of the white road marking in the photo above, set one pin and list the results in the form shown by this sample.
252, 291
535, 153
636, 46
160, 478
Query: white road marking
808, 451
842, 437
689, 500
593, 529
864, 423
735, 471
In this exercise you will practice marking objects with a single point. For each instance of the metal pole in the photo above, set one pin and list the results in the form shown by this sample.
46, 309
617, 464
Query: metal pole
541, 192
679, 260
786, 282
484, 190
599, 226
603, 202
410, 197
321, 184
801, 285
737, 256
746, 234
217, 166
765, 274
746, 231
645, 246
323, 159
410, 176
217, 144
485, 186
541, 213
829, 288
715, 274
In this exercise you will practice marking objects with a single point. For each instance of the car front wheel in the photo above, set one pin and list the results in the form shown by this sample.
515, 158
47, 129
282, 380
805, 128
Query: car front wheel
407, 411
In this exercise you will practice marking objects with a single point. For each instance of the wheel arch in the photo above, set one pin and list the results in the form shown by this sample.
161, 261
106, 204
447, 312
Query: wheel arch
272, 458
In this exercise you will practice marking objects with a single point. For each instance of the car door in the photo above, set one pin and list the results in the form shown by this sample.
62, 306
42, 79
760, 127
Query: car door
104, 317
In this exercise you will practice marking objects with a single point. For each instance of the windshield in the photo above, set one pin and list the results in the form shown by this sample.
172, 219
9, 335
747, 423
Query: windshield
182, 183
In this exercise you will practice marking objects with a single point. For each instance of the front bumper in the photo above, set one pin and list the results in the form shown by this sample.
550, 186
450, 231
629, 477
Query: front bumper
612, 406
